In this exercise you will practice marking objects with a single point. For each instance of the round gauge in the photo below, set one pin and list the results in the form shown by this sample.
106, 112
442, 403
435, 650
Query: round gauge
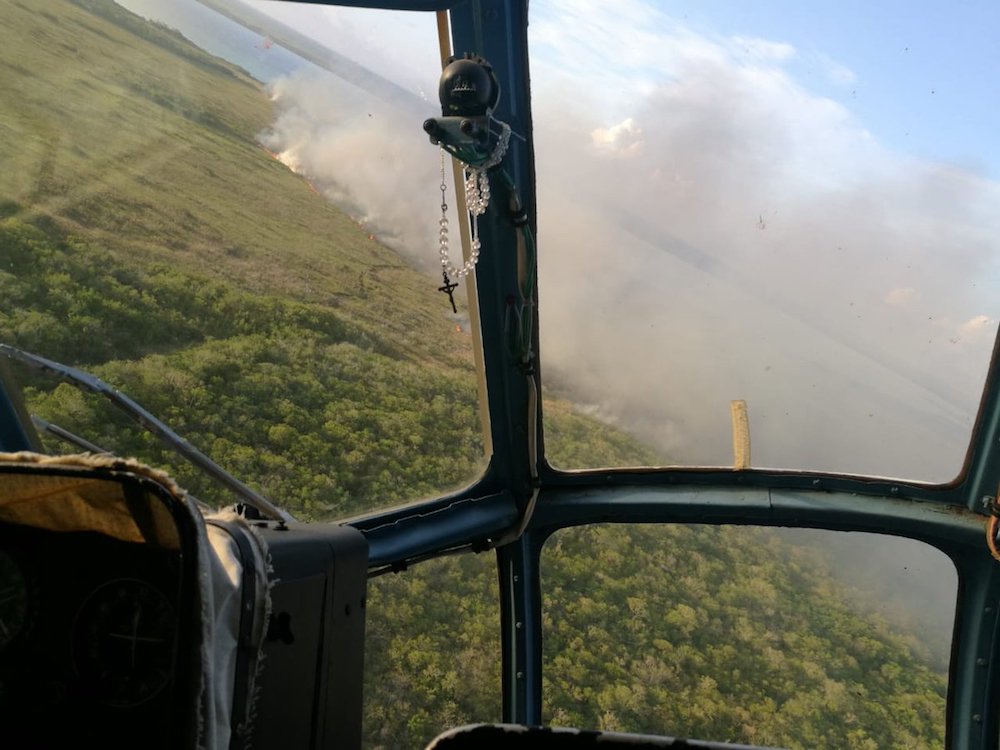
123, 642
13, 599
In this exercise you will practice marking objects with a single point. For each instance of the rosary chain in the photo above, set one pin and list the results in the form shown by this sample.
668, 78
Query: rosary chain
477, 196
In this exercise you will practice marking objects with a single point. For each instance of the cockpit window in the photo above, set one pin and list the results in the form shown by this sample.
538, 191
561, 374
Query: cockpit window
789, 638
784, 205
432, 651
229, 212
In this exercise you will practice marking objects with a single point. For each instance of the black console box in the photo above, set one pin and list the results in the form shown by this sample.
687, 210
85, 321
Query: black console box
309, 693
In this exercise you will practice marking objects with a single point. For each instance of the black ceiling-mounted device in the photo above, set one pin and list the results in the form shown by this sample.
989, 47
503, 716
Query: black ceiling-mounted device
469, 92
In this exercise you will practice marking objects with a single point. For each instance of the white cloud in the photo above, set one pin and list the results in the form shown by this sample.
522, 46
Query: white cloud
763, 49
623, 138
977, 327
619, 48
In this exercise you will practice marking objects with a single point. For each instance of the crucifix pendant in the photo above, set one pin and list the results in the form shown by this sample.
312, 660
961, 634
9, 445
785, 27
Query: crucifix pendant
449, 288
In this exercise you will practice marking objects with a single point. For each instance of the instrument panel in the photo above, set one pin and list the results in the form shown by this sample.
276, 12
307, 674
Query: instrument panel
89, 637
14, 602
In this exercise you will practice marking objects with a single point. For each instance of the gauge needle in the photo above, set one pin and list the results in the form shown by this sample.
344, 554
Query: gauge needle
135, 630
133, 636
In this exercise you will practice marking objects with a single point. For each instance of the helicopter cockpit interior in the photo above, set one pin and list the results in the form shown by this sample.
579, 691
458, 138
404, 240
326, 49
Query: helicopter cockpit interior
493, 373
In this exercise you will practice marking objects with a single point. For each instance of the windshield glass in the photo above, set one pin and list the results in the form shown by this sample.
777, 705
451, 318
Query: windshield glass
793, 638
231, 215
783, 204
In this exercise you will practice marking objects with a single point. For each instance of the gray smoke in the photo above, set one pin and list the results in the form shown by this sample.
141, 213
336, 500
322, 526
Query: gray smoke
365, 155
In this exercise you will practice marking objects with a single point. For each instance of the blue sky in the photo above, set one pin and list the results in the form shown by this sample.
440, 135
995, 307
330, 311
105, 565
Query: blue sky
925, 74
